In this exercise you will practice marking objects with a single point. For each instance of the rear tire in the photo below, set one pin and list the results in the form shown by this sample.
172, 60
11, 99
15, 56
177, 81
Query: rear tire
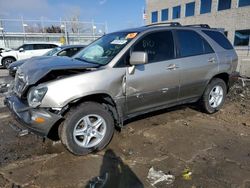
88, 127
214, 96
7, 61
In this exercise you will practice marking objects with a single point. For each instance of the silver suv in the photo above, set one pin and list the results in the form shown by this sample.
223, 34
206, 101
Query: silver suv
119, 76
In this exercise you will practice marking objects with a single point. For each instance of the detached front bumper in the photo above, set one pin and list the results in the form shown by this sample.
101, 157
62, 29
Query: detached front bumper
28, 117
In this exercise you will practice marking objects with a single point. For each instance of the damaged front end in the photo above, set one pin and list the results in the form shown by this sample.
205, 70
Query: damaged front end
26, 94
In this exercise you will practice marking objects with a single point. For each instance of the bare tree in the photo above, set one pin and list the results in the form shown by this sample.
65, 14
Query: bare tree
53, 29
74, 20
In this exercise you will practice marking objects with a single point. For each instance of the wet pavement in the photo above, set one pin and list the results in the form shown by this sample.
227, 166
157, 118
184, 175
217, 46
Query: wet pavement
214, 148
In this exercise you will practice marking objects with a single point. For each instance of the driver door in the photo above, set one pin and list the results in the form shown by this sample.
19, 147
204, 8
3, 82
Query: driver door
156, 83
26, 52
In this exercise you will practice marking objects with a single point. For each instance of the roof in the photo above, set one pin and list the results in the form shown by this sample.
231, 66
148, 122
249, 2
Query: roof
171, 25
42, 43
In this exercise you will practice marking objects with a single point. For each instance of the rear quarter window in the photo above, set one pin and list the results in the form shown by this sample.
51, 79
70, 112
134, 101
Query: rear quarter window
219, 38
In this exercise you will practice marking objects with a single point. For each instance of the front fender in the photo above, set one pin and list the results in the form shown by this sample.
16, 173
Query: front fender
63, 91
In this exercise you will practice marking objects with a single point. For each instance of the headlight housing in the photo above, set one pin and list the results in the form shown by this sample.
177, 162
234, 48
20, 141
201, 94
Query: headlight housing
36, 95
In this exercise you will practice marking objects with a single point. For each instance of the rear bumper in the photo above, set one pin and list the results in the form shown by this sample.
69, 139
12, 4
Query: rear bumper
26, 116
233, 78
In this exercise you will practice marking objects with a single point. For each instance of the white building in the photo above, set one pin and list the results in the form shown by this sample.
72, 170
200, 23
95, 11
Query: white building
232, 15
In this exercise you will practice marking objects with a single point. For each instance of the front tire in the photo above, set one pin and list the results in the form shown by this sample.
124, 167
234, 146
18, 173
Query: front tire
214, 96
87, 128
7, 61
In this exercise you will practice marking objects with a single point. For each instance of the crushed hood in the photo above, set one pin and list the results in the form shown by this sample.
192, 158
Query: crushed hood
37, 68
20, 62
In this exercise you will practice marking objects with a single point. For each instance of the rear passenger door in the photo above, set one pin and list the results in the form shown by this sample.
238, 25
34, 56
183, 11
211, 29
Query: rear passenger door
156, 83
41, 49
197, 62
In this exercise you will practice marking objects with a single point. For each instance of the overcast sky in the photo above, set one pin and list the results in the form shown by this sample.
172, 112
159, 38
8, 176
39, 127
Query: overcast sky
118, 14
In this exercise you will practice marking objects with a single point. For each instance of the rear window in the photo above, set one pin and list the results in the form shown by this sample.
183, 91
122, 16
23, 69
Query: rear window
220, 38
191, 43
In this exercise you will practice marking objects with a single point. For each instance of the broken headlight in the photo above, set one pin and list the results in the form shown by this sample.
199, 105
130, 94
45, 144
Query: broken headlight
36, 95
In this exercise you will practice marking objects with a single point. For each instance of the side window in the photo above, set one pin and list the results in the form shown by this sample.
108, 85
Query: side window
158, 45
207, 48
68, 52
219, 38
62, 53
27, 47
191, 43
38, 46
43, 46
52, 46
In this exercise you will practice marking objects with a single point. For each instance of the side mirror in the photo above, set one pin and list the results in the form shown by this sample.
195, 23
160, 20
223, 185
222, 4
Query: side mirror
21, 50
138, 58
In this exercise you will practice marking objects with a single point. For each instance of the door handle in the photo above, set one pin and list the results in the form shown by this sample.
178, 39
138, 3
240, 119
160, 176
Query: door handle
211, 60
172, 67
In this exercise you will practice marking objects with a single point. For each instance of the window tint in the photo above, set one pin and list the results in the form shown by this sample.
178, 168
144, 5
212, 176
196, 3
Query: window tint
176, 12
69, 52
190, 7
205, 6
219, 38
243, 3
52, 46
164, 15
154, 17
207, 48
159, 46
191, 43
39, 46
241, 37
224, 4
27, 47
44, 46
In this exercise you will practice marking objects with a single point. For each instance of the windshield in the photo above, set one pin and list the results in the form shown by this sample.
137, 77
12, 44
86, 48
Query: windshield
53, 51
106, 48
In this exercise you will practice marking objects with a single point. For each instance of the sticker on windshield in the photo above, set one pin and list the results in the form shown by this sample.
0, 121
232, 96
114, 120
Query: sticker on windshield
119, 42
131, 35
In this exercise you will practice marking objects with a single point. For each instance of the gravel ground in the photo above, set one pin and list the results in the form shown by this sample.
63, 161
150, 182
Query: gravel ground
193, 148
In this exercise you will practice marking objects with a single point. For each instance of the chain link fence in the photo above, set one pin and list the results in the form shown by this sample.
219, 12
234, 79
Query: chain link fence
15, 32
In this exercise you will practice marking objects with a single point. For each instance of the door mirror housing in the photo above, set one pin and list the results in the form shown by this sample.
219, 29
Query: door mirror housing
138, 58
21, 50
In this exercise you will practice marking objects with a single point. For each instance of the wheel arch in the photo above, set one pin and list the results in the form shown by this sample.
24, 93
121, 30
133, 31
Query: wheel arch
9, 56
104, 99
224, 76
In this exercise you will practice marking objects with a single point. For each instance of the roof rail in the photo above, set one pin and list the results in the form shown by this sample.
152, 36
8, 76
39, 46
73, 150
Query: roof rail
166, 23
198, 25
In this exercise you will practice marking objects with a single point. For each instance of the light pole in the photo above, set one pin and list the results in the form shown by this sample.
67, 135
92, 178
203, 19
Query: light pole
24, 25
94, 29
2, 30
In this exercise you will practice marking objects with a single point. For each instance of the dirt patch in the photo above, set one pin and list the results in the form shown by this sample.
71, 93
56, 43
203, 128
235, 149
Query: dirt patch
214, 148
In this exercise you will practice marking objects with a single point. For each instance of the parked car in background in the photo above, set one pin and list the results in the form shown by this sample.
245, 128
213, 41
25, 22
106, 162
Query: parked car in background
119, 76
25, 51
65, 50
